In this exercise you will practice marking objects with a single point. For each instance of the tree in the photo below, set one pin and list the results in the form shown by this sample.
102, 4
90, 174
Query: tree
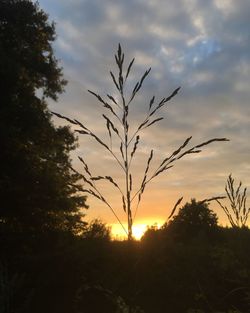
192, 218
238, 213
96, 229
118, 127
36, 183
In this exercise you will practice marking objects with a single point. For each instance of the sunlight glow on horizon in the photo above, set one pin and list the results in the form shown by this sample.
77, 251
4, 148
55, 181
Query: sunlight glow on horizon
138, 229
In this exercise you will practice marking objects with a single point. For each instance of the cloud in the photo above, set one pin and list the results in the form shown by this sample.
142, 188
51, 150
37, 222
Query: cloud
201, 45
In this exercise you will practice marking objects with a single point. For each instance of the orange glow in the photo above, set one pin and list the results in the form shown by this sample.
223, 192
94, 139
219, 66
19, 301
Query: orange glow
138, 229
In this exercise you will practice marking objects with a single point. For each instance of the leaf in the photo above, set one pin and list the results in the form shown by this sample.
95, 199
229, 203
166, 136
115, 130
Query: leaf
114, 80
190, 151
142, 79
210, 141
99, 140
64, 117
106, 105
96, 195
133, 92
174, 93
182, 146
97, 96
165, 100
84, 190
81, 125
154, 121
121, 149
109, 178
212, 199
176, 151
130, 182
135, 88
135, 146
147, 168
139, 84
129, 68
117, 61
143, 124
112, 99
82, 132
108, 127
97, 178
155, 109
120, 81
111, 124
238, 189
175, 207
124, 204
149, 160
162, 170
119, 51
151, 103
124, 118
82, 176
85, 165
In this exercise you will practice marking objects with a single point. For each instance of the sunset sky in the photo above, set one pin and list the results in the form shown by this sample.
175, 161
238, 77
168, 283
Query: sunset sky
202, 46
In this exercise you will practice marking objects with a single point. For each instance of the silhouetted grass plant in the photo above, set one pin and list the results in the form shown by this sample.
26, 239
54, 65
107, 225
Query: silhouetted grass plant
118, 125
238, 213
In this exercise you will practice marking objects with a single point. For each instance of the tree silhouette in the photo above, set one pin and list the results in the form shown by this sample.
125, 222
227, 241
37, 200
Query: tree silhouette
96, 229
193, 217
36, 181
118, 124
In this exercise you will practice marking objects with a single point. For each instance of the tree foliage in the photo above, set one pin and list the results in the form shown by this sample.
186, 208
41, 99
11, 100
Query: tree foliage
96, 229
192, 218
36, 182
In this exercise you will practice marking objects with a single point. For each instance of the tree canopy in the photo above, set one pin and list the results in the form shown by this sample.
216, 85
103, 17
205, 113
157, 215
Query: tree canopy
193, 218
37, 186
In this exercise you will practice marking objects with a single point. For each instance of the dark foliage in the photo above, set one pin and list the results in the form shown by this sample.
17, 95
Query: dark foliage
97, 230
35, 183
194, 219
74, 274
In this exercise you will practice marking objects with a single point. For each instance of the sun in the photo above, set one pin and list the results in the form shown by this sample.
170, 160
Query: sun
138, 229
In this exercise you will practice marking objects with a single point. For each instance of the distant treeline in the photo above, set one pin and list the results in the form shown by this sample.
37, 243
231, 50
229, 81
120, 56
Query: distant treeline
184, 268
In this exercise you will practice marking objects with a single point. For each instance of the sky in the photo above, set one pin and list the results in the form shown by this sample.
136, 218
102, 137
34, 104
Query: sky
200, 45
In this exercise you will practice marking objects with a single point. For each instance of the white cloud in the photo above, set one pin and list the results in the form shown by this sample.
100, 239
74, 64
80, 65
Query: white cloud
225, 6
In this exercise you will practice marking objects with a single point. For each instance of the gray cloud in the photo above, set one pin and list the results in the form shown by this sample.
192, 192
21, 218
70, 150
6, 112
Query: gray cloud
201, 45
